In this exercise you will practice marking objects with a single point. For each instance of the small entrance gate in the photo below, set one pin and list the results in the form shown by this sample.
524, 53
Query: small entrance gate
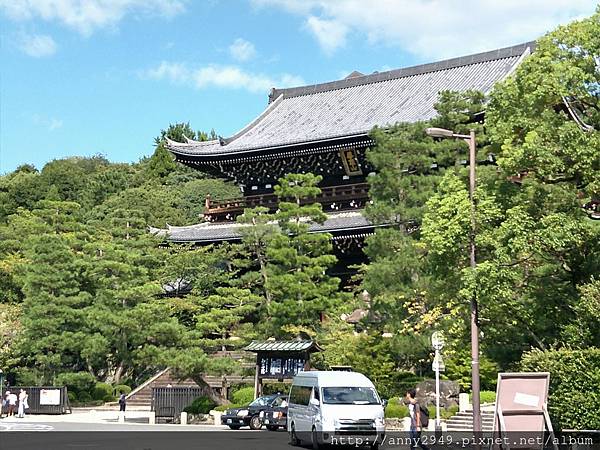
280, 360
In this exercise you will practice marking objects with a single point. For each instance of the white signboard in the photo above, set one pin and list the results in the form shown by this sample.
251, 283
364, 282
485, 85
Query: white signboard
50, 397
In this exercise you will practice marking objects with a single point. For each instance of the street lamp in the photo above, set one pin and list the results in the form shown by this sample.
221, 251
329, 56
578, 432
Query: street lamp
469, 139
437, 342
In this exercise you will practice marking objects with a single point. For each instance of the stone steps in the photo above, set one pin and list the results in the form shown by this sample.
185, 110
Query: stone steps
463, 421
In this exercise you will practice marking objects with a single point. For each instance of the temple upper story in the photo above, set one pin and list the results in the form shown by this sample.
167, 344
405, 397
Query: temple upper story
324, 129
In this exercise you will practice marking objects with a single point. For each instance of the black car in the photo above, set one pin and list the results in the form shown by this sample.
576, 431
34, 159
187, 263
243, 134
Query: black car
275, 417
249, 416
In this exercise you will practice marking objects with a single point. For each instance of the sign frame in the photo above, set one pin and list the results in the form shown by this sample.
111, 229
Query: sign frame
525, 408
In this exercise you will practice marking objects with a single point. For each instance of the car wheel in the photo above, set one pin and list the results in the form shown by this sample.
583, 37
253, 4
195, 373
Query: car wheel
272, 427
255, 423
234, 427
293, 437
314, 439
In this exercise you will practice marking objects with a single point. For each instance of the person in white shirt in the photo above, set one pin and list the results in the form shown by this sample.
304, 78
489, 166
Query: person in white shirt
12, 404
23, 403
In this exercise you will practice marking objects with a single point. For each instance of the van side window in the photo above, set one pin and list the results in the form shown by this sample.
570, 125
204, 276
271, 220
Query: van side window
316, 395
300, 395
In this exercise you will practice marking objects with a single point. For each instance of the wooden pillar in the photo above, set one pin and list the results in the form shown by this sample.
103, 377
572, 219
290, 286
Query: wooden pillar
257, 378
207, 203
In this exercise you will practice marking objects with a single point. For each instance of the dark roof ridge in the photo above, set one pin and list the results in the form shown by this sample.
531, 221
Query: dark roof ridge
501, 53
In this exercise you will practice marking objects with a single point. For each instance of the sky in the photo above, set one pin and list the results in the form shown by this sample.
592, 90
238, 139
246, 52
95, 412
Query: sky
86, 77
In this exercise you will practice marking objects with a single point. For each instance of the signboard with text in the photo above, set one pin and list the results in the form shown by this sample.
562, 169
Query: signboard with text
49, 396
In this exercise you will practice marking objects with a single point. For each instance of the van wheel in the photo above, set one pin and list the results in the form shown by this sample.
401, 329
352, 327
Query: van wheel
293, 438
314, 439
255, 423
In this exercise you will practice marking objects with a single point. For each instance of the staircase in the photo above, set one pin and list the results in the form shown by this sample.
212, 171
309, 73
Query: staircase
463, 421
141, 397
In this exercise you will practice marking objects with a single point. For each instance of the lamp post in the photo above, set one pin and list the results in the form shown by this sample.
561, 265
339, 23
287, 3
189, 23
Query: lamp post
469, 139
437, 342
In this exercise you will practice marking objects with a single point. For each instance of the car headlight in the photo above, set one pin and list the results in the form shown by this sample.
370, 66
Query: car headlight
242, 412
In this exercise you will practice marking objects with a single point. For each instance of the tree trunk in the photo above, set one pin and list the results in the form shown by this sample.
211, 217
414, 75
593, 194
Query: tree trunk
208, 391
114, 375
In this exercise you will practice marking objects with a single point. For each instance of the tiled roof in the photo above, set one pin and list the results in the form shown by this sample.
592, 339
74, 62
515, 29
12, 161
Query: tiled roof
281, 346
213, 232
353, 106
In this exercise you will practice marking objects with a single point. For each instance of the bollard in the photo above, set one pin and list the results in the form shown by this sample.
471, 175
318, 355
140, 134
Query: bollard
463, 402
406, 423
216, 416
183, 420
152, 418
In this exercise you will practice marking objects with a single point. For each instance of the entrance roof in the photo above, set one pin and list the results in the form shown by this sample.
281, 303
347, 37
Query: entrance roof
323, 113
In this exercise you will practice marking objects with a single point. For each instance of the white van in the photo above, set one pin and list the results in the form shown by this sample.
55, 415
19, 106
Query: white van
335, 407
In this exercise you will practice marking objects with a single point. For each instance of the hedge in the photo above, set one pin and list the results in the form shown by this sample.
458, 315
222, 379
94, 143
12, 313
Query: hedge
102, 391
485, 397
79, 382
243, 396
121, 388
201, 405
574, 381
395, 408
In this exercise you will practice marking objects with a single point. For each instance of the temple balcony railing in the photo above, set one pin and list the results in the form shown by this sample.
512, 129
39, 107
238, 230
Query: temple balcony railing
333, 198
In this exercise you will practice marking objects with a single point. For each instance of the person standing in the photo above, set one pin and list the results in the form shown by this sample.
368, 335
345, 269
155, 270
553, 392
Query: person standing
122, 401
416, 420
4, 404
12, 404
23, 396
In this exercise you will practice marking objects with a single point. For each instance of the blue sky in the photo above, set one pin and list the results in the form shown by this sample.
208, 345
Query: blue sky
105, 76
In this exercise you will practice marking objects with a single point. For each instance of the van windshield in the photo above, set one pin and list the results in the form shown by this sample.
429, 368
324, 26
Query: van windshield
350, 396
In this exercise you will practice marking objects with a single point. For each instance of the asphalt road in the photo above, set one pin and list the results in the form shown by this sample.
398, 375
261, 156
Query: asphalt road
53, 436
91, 436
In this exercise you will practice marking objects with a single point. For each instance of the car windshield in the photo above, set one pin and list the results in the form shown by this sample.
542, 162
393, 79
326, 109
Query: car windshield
350, 396
261, 401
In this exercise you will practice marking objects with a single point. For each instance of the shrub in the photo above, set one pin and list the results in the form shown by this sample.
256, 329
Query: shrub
102, 390
485, 397
449, 412
84, 397
79, 382
108, 398
574, 380
72, 397
223, 407
121, 388
275, 388
396, 409
200, 405
243, 396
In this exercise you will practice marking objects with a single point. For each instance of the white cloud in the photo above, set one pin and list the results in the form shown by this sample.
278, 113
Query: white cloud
50, 124
242, 50
85, 16
331, 34
433, 29
37, 45
225, 77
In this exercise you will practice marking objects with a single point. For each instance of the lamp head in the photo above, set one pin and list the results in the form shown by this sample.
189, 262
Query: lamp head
439, 132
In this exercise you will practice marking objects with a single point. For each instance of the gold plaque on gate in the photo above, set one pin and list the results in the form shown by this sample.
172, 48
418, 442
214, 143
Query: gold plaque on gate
350, 161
